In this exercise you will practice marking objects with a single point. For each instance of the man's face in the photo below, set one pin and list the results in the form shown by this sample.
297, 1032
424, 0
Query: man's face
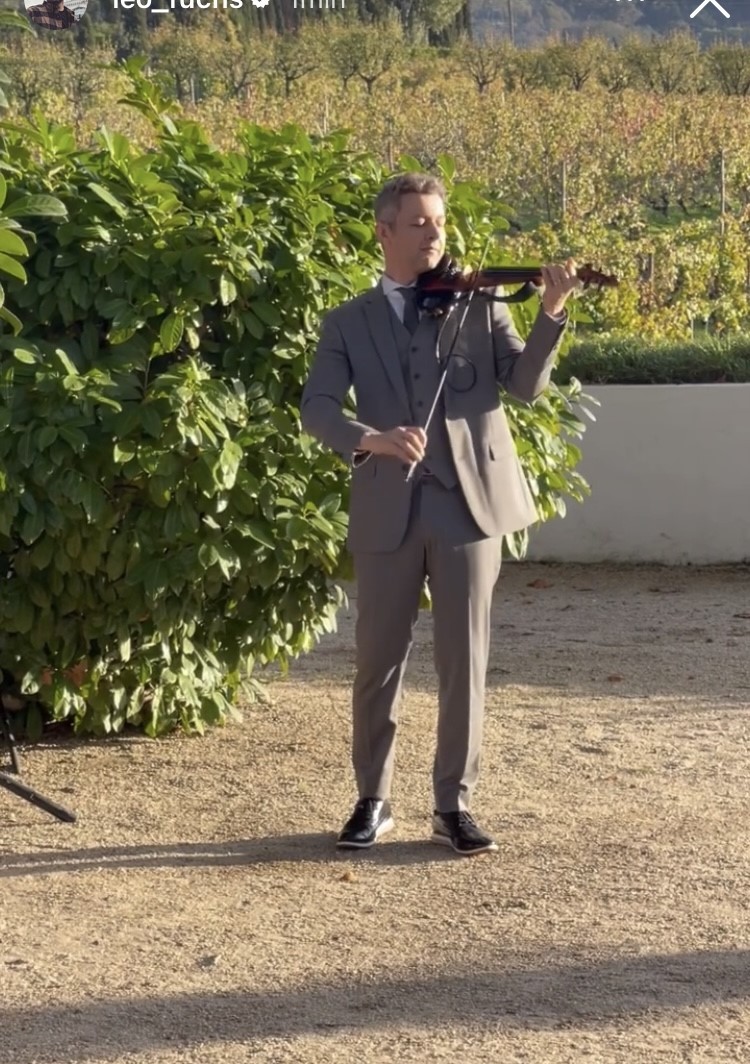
416, 240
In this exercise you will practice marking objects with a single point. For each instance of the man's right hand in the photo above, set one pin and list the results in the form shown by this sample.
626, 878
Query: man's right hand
407, 443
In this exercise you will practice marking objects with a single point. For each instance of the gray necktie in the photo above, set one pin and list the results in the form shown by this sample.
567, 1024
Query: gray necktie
411, 314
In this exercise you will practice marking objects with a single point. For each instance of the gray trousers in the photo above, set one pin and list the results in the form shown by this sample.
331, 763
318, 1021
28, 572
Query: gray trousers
443, 544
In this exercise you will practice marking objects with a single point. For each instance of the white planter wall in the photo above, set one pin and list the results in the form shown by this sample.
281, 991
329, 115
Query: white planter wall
669, 470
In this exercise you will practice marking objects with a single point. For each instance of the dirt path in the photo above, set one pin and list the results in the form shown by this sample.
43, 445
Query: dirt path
199, 913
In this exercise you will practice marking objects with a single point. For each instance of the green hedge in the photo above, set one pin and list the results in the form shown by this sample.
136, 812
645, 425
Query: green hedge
164, 526
628, 360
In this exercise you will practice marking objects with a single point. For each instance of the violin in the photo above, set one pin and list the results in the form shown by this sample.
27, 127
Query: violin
442, 286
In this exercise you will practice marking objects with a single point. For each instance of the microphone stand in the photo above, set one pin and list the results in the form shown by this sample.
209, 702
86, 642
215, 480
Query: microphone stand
448, 357
17, 786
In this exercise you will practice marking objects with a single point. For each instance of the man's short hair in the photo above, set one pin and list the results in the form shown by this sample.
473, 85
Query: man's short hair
388, 200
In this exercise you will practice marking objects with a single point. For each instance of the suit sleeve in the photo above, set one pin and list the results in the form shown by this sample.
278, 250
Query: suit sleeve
326, 388
524, 370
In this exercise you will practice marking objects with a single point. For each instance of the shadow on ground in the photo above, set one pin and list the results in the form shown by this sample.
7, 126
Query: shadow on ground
569, 995
316, 847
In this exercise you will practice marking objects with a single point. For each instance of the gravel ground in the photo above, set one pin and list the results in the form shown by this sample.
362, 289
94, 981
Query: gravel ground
198, 911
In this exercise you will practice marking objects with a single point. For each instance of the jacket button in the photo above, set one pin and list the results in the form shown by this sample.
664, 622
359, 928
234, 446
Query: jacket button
417, 376
419, 402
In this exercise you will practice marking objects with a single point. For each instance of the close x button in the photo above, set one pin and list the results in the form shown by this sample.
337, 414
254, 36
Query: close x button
705, 3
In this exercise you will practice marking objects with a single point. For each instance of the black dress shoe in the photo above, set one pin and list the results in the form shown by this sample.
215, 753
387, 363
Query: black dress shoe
461, 831
371, 819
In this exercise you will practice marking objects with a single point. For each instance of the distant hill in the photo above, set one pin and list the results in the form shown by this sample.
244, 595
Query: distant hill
531, 21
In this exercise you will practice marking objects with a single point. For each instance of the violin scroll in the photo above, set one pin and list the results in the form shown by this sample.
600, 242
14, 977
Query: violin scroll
588, 276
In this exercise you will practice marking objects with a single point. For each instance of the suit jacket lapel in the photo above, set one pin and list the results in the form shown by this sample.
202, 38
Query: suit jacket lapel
377, 314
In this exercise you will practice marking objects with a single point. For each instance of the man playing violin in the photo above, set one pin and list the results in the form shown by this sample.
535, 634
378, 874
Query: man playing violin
445, 524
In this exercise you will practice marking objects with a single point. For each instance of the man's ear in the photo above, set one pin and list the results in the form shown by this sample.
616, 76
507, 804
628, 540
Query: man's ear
382, 231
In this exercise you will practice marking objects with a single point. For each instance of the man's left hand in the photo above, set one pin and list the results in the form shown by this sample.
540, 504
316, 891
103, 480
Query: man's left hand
559, 282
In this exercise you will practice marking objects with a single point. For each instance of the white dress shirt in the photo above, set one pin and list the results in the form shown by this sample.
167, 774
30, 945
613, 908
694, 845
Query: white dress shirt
394, 297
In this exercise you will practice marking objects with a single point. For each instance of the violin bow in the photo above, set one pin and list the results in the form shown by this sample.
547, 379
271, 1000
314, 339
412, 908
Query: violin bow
448, 357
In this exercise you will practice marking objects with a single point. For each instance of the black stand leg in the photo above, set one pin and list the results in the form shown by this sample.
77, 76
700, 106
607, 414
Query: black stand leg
17, 786
10, 741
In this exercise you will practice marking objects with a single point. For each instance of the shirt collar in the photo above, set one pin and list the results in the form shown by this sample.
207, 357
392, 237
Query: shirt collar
389, 285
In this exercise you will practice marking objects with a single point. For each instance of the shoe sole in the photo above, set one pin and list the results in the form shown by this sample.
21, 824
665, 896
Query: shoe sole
382, 829
445, 840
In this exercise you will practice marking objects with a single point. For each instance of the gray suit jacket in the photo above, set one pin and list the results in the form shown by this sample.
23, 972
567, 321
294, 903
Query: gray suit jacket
356, 349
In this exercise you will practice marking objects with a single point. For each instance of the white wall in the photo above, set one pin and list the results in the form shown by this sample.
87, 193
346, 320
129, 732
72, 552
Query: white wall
669, 470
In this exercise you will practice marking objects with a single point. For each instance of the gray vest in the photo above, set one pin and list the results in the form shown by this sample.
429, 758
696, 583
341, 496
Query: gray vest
422, 374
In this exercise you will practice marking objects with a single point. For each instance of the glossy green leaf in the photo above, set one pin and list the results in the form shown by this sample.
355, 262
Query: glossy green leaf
41, 205
12, 267
171, 331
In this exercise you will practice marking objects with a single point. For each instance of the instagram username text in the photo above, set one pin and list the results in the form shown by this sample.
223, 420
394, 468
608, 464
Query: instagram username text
165, 6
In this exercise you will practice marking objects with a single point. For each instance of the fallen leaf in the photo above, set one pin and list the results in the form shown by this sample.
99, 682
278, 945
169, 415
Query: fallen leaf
539, 583
614, 678
348, 877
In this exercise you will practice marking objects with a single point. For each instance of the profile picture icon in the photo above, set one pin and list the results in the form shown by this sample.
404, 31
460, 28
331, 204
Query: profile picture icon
55, 14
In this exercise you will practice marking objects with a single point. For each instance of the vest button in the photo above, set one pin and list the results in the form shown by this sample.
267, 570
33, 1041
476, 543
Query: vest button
419, 402
417, 376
